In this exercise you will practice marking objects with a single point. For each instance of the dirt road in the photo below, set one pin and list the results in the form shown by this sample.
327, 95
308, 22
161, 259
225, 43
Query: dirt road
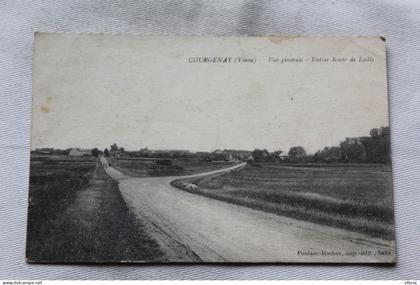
191, 227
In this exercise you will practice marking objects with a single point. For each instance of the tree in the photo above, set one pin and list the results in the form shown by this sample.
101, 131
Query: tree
144, 152
374, 133
114, 147
260, 154
275, 155
328, 154
297, 153
378, 145
106, 153
315, 157
353, 150
95, 152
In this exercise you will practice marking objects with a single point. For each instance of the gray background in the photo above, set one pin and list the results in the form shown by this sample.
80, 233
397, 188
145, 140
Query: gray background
398, 21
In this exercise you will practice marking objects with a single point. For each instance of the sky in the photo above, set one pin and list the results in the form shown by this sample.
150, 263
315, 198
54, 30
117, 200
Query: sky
92, 90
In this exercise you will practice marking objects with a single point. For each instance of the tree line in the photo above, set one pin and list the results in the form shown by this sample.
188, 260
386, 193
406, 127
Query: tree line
375, 148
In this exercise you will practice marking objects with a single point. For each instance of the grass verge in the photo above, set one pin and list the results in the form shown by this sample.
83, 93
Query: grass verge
79, 215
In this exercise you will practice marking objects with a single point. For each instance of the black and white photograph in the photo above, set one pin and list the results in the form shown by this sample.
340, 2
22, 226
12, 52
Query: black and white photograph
214, 149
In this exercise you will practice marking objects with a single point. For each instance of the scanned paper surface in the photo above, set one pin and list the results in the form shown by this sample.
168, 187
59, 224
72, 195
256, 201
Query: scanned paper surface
210, 149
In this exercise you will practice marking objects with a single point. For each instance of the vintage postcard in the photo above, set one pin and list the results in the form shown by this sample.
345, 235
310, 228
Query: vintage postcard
210, 149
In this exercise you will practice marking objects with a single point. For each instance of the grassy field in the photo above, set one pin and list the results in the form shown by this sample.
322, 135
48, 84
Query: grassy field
77, 214
353, 197
147, 168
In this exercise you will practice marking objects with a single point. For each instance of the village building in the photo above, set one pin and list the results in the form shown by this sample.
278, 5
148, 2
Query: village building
44, 150
80, 152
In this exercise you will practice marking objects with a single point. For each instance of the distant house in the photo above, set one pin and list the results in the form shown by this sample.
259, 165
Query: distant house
284, 157
80, 152
45, 150
234, 154
219, 155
